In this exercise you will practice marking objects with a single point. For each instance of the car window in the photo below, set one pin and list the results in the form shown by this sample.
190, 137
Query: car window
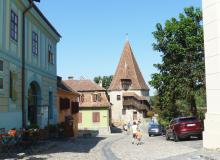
190, 119
154, 126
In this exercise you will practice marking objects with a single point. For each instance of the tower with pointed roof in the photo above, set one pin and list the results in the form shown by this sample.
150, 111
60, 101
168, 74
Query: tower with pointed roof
128, 92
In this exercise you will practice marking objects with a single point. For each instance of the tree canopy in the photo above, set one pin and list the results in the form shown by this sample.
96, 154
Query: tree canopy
106, 81
182, 70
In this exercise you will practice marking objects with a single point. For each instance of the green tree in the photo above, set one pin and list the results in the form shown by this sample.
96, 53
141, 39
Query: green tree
106, 81
181, 73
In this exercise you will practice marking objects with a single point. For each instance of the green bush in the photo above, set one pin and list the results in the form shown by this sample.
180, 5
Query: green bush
150, 114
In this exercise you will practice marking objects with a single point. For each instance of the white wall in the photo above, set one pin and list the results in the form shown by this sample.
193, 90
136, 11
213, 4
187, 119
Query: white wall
116, 108
211, 21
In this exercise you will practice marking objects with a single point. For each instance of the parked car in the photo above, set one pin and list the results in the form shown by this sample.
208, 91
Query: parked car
184, 127
155, 129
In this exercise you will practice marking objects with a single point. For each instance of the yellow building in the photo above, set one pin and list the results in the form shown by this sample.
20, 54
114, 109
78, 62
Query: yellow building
67, 107
93, 106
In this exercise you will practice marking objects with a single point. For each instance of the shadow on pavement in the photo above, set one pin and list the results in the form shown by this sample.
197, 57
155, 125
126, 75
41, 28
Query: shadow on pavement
115, 129
78, 145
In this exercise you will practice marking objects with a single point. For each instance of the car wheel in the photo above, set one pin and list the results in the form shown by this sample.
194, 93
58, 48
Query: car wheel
167, 137
149, 135
200, 137
176, 138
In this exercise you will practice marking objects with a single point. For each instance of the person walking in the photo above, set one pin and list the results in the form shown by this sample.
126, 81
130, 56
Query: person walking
134, 131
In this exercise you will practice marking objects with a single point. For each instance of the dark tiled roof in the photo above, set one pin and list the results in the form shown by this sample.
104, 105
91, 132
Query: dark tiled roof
128, 69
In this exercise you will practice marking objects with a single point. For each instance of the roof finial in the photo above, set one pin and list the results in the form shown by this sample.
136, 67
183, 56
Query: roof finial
126, 35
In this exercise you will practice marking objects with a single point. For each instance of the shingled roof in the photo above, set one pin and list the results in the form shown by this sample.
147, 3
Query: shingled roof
128, 69
83, 85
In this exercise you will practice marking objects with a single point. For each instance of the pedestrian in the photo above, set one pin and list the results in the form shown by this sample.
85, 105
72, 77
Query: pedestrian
139, 137
129, 127
134, 131
125, 127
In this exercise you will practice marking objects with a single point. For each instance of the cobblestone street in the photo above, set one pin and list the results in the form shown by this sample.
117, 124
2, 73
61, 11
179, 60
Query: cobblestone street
119, 146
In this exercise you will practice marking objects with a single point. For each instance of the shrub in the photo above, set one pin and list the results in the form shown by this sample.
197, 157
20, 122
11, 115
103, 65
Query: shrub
150, 114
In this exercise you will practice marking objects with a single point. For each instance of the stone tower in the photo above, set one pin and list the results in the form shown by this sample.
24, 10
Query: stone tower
128, 92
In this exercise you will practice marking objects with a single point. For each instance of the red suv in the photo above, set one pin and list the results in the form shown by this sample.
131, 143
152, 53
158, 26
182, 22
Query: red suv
184, 127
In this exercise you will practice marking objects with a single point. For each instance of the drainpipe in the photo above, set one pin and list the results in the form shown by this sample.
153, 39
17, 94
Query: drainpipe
23, 87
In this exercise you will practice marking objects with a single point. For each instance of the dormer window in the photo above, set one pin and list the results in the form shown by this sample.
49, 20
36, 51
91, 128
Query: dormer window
96, 97
125, 83
82, 98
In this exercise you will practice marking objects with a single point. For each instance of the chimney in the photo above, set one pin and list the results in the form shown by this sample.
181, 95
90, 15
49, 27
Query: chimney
70, 77
100, 83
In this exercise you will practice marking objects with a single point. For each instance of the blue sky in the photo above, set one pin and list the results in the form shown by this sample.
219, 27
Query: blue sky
93, 32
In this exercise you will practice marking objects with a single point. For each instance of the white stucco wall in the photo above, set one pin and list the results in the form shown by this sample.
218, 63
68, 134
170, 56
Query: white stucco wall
211, 21
116, 108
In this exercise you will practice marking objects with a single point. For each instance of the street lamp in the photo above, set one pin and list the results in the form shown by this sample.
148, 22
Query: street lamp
31, 4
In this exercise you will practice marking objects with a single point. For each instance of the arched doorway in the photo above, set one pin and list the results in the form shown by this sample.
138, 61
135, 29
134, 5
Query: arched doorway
33, 103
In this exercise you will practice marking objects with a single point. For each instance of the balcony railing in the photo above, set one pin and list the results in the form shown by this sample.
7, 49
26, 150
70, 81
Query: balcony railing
135, 103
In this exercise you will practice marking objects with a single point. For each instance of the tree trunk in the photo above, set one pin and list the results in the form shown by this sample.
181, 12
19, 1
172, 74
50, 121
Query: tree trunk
174, 108
193, 105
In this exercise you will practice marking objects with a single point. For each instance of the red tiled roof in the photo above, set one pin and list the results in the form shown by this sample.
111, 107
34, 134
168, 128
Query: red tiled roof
128, 69
61, 86
83, 85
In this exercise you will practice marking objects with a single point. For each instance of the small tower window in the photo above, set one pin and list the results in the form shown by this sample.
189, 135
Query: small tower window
125, 84
118, 97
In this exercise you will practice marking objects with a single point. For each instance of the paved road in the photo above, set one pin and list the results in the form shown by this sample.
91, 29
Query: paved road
153, 148
119, 146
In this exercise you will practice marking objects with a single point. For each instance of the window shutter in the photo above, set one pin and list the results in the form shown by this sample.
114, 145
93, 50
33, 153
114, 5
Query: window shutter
94, 97
93, 117
99, 97
96, 117
80, 117
82, 98
64, 103
74, 107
